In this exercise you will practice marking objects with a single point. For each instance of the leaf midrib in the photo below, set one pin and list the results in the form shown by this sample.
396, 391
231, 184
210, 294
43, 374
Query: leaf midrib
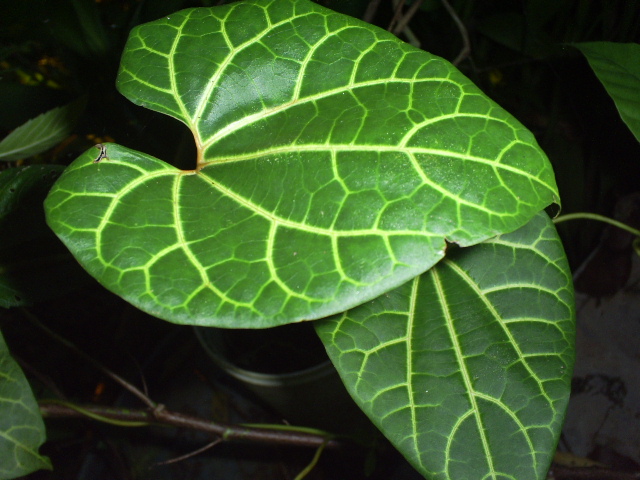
480, 294
125, 189
474, 409
295, 101
410, 151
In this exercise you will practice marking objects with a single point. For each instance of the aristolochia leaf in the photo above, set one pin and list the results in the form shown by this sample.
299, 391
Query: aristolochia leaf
467, 368
32, 260
42, 132
21, 426
617, 66
334, 160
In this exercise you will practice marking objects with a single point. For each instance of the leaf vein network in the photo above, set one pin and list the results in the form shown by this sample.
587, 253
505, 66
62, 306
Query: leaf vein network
333, 149
411, 151
232, 127
523, 428
233, 52
172, 72
455, 342
272, 268
115, 200
519, 246
270, 216
512, 341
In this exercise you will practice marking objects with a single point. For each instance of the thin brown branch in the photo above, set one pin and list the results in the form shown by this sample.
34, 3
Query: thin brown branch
371, 11
141, 373
399, 23
116, 378
396, 15
466, 44
404, 20
225, 432
191, 454
44, 379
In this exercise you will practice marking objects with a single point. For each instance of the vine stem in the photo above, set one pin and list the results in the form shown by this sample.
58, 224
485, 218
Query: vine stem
370, 13
191, 454
397, 5
404, 20
312, 464
71, 346
158, 414
600, 218
225, 432
466, 44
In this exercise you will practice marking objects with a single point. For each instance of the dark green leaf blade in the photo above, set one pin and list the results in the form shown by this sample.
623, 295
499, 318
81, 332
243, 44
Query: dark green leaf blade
617, 66
467, 368
22, 431
334, 161
42, 132
34, 265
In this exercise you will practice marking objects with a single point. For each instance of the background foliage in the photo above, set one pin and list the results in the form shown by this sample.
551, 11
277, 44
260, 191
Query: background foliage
520, 56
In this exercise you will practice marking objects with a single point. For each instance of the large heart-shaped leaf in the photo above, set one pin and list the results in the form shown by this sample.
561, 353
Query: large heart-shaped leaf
467, 368
21, 426
333, 162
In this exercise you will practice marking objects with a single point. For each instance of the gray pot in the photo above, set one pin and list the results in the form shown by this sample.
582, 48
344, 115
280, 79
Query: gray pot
313, 396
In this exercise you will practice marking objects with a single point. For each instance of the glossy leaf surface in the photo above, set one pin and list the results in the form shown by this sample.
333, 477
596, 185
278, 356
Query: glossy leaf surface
467, 368
617, 66
21, 426
334, 160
